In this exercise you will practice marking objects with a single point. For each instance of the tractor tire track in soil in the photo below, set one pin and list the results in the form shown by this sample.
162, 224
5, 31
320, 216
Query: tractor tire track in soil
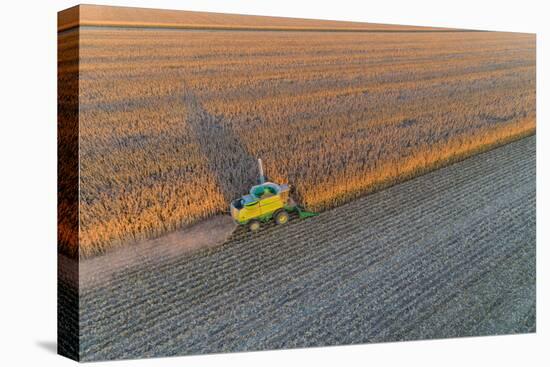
447, 254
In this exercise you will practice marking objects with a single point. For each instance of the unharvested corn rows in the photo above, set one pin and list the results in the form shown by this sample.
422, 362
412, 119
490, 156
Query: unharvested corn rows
171, 122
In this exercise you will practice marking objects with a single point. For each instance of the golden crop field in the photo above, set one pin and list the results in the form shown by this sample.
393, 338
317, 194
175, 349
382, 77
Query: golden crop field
99, 15
172, 121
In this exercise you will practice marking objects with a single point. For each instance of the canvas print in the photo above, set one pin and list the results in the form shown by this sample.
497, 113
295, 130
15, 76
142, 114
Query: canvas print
234, 183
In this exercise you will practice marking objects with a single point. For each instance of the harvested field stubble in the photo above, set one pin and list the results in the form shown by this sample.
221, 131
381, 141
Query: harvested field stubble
463, 264
171, 121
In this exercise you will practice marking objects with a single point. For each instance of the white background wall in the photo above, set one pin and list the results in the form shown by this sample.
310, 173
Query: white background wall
28, 181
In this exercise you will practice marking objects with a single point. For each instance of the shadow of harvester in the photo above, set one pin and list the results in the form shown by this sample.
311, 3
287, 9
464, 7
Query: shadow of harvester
232, 166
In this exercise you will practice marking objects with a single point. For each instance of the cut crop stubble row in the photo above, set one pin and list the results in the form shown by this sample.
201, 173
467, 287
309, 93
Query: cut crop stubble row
353, 274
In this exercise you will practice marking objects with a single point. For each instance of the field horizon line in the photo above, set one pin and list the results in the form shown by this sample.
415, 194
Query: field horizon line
190, 27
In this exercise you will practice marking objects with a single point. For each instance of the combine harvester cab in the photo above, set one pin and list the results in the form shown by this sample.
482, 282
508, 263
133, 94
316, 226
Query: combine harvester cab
265, 201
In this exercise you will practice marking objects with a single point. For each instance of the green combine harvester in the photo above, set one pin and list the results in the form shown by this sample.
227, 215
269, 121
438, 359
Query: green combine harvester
264, 202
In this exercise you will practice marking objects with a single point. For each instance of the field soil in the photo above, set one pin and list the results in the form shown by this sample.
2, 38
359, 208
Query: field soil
447, 254
151, 252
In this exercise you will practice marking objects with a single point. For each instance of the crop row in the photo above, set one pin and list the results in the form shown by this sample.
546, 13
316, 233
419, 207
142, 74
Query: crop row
342, 253
242, 253
391, 256
171, 123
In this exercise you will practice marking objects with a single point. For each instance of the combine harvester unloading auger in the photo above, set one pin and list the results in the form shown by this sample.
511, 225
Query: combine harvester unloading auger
264, 202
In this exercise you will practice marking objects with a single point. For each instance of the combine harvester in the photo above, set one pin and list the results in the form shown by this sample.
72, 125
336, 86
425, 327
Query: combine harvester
264, 202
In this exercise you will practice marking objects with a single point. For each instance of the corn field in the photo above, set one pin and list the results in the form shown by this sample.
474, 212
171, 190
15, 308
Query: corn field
171, 121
